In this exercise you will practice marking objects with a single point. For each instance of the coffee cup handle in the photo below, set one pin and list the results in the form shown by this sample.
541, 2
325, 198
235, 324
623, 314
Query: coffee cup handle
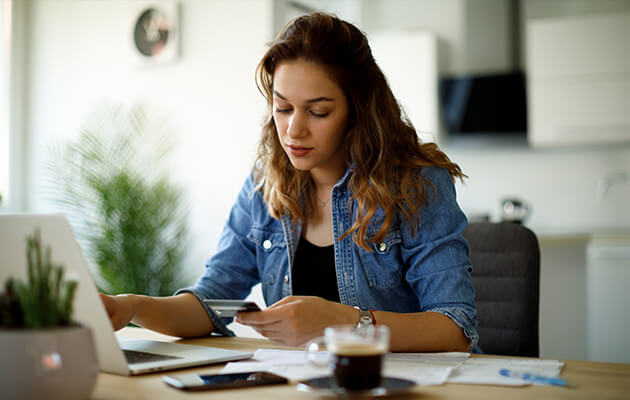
314, 350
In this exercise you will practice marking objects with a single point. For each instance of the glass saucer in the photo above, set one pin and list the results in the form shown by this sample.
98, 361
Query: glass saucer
325, 385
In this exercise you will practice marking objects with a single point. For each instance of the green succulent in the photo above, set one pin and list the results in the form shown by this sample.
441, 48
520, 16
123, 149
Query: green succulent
45, 299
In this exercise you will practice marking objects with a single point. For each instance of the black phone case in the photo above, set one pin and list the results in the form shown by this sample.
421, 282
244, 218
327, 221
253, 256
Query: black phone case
262, 379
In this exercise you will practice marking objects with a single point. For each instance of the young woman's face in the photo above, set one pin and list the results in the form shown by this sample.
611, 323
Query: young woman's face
310, 112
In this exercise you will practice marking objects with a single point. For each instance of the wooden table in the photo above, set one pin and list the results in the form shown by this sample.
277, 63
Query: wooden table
594, 381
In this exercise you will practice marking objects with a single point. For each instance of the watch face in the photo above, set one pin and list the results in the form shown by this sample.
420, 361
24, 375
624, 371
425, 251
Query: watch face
151, 32
365, 318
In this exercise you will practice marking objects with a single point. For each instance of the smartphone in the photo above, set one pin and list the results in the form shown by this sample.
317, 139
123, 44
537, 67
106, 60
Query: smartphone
229, 308
223, 381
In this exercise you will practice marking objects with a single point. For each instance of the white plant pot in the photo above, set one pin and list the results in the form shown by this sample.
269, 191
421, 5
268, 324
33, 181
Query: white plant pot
57, 363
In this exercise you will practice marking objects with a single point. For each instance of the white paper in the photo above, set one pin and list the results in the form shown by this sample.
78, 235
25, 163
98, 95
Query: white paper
485, 371
292, 364
424, 369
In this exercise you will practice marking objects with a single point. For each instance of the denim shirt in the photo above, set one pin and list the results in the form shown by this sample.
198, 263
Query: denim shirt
427, 271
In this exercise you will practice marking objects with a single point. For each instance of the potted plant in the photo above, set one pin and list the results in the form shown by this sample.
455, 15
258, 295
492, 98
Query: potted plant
113, 183
44, 353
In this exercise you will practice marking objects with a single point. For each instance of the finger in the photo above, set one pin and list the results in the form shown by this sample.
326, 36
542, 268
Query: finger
117, 324
259, 323
274, 336
292, 299
107, 303
265, 317
104, 298
249, 317
270, 330
284, 300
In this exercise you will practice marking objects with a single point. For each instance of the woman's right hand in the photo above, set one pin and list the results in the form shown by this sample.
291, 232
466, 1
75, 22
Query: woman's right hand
121, 309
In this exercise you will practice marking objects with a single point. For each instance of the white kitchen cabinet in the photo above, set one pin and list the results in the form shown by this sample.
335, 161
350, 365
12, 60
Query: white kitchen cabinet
562, 295
578, 71
414, 80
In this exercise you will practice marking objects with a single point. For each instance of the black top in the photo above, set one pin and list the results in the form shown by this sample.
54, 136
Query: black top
314, 271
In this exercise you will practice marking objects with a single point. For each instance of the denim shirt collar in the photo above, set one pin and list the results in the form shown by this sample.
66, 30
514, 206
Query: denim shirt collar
346, 176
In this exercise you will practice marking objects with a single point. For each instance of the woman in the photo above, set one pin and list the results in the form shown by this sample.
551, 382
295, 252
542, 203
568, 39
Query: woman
347, 218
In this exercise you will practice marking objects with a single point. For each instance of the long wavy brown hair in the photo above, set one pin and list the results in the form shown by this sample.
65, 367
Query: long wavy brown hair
381, 144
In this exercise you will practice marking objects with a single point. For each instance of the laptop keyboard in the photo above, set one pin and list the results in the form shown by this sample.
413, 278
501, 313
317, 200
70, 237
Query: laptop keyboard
137, 357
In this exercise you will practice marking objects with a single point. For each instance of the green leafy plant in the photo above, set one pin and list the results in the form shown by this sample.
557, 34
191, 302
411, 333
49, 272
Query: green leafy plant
45, 299
112, 183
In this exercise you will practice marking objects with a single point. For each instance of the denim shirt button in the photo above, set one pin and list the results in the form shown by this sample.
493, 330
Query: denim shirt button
286, 279
267, 244
382, 246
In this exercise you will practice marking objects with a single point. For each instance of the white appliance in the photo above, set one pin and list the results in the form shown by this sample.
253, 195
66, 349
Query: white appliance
608, 298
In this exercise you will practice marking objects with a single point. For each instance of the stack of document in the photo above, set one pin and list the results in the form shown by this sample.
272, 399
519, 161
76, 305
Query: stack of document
423, 368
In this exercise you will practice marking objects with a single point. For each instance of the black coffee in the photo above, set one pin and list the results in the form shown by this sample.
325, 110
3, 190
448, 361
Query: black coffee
357, 370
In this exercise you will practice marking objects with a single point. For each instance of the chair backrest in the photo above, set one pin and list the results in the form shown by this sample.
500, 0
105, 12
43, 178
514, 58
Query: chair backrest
506, 278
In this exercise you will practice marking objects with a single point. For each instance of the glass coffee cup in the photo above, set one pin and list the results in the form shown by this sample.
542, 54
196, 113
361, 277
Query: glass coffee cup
355, 354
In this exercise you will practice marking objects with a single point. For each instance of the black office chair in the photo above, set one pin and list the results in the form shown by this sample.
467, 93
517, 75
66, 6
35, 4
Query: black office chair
506, 278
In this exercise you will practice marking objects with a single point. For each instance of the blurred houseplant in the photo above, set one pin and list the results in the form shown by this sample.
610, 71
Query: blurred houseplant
44, 353
112, 183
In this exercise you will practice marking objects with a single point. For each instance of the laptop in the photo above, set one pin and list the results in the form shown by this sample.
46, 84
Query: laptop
116, 354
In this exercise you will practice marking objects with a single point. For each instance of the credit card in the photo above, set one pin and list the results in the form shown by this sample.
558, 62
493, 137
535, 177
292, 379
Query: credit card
229, 308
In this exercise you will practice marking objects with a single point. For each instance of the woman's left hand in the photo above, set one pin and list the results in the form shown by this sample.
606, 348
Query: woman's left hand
295, 320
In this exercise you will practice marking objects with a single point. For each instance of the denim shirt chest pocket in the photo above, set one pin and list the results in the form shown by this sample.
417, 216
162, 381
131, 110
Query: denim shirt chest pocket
382, 266
270, 251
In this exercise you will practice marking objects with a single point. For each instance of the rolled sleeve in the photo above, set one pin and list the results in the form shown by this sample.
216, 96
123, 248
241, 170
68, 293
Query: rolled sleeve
220, 324
461, 317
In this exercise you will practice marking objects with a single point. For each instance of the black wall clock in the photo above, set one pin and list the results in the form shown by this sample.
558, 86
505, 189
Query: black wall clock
155, 32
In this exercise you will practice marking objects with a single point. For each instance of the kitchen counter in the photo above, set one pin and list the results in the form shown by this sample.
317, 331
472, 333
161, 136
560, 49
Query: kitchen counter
552, 234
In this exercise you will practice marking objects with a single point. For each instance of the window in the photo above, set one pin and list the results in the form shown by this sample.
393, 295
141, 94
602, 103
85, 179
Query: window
5, 143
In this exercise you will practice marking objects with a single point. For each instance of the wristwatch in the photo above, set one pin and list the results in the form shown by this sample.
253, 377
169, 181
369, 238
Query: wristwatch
366, 318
